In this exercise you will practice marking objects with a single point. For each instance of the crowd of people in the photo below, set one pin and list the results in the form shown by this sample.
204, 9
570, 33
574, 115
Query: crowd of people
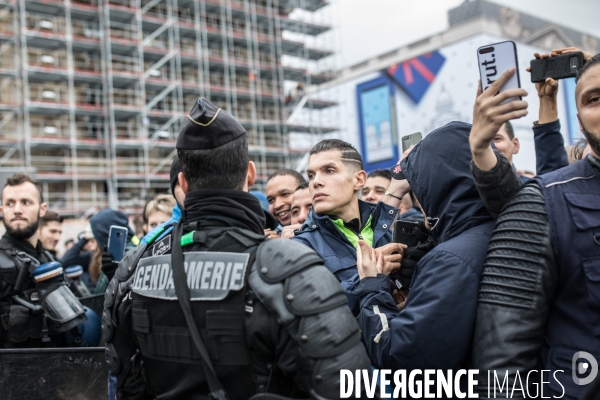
232, 293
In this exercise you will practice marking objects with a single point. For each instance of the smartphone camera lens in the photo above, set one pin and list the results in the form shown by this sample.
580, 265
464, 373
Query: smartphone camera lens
573, 64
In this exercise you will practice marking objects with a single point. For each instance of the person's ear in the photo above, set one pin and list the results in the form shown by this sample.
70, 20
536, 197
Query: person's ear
516, 145
43, 208
360, 179
183, 183
580, 124
251, 177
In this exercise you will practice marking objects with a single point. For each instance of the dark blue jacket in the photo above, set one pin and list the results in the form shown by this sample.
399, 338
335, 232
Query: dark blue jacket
339, 255
550, 152
434, 329
572, 198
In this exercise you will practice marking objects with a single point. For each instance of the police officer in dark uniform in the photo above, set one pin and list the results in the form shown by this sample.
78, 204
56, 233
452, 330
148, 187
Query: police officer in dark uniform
33, 314
213, 310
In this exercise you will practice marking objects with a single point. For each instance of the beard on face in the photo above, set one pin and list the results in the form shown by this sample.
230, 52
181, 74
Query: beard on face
593, 140
23, 233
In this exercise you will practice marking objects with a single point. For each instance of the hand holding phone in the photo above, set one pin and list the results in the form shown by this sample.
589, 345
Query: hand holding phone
493, 60
555, 66
548, 87
547, 91
489, 113
117, 240
404, 232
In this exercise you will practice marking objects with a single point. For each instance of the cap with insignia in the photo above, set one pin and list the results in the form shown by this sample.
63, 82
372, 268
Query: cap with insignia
208, 127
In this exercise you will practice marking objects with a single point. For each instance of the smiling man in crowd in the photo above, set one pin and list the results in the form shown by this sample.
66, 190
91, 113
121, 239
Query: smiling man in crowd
281, 186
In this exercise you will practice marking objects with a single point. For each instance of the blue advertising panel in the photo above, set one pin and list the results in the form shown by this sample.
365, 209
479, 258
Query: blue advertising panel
377, 123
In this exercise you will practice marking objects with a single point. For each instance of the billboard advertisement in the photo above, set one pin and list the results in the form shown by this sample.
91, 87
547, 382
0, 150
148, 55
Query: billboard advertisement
377, 123
439, 87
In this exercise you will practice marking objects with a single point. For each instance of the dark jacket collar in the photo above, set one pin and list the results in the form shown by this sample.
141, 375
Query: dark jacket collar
366, 210
215, 208
8, 242
594, 162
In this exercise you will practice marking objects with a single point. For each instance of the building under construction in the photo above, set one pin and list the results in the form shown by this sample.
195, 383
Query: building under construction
92, 91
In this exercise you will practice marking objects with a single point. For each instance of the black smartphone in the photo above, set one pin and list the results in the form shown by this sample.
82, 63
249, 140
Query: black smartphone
560, 67
404, 232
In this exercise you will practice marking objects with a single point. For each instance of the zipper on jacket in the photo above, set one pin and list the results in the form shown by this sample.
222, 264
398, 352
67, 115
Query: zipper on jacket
356, 233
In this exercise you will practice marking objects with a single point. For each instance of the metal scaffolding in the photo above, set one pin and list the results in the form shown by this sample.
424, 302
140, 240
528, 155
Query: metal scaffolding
92, 91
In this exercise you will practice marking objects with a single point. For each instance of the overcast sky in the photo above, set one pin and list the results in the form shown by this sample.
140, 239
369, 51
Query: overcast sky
369, 28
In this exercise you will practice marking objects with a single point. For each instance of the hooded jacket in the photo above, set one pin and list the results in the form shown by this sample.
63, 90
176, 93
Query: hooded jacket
101, 223
434, 329
103, 220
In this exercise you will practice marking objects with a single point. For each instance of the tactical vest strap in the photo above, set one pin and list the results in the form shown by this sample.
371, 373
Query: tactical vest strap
183, 295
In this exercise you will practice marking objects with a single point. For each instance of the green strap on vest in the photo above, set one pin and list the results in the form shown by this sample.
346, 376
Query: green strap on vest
187, 239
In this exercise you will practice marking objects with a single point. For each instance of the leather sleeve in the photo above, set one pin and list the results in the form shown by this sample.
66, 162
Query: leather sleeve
317, 334
496, 186
518, 285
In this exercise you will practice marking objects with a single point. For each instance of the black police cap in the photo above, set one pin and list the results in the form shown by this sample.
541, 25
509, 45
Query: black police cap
208, 127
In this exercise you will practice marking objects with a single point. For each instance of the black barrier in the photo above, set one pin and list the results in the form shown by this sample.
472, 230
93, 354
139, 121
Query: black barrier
94, 302
57, 373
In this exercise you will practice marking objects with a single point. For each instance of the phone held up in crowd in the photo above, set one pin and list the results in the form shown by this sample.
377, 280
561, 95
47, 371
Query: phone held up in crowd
410, 140
117, 240
493, 60
558, 67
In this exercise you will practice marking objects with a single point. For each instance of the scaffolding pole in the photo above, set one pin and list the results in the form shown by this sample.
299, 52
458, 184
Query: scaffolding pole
99, 124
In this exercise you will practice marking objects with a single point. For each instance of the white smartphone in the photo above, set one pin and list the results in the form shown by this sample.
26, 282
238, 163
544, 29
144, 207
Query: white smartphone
494, 60
411, 139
